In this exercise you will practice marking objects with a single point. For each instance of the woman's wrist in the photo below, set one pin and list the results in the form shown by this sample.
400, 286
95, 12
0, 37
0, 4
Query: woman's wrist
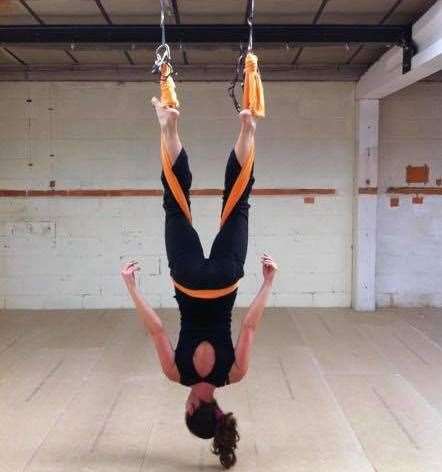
267, 283
133, 290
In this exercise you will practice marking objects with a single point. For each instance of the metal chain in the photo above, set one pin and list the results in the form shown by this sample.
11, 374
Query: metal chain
163, 28
162, 52
241, 59
238, 73
250, 23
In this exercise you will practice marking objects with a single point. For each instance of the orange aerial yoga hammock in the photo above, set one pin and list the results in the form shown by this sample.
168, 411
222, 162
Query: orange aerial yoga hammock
253, 94
169, 98
253, 99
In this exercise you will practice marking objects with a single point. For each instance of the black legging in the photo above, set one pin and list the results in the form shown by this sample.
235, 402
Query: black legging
187, 263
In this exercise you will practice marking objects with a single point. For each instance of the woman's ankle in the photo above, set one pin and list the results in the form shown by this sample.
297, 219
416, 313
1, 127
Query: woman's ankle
169, 129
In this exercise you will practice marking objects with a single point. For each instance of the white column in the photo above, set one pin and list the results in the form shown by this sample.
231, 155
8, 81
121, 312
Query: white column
365, 204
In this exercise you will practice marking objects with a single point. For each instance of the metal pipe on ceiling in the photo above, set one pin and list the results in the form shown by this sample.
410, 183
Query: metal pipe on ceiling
217, 33
100, 47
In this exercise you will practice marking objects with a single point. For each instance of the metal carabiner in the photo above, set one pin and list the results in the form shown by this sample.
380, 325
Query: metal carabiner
162, 57
162, 52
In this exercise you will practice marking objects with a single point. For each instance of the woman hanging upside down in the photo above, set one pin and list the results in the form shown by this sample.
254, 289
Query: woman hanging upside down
206, 288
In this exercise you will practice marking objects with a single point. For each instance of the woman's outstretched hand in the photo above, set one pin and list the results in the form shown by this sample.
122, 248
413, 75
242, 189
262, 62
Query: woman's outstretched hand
269, 268
128, 274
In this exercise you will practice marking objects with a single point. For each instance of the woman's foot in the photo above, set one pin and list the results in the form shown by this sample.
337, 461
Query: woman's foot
248, 121
168, 119
167, 116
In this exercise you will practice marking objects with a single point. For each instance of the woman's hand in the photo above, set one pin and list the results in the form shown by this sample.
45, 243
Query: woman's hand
128, 274
269, 268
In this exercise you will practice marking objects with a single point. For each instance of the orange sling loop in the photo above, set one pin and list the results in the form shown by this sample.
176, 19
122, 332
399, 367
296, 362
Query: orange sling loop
253, 94
207, 293
253, 98
239, 186
174, 185
169, 98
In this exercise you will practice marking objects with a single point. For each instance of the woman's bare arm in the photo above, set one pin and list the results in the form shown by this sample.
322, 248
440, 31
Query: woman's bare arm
251, 321
152, 324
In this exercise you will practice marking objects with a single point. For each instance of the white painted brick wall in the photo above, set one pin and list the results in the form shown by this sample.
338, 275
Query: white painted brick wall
409, 238
67, 252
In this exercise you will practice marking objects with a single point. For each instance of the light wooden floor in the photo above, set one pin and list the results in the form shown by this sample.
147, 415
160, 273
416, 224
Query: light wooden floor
329, 390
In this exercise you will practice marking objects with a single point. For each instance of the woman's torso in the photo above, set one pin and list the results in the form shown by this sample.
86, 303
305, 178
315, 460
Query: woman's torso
206, 320
210, 321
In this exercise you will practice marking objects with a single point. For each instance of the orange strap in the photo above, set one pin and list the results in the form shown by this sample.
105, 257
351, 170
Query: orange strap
207, 293
253, 94
239, 186
167, 85
254, 99
174, 185
169, 98
237, 190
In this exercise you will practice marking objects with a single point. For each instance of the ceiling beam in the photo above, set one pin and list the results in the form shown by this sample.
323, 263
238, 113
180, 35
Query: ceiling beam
383, 20
422, 10
128, 57
103, 12
15, 57
73, 58
176, 14
216, 33
320, 10
108, 19
315, 21
393, 8
31, 12
190, 73
297, 55
385, 76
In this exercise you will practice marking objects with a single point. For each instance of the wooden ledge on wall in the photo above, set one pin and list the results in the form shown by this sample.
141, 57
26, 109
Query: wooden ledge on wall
368, 190
415, 190
157, 192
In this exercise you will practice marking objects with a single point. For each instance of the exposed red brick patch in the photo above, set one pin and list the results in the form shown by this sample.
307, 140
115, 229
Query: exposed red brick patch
417, 200
394, 202
418, 174
309, 200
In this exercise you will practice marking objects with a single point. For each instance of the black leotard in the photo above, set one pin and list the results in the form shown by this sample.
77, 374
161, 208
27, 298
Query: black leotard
205, 319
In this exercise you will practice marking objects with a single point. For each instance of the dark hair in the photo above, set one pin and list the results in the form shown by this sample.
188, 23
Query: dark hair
206, 424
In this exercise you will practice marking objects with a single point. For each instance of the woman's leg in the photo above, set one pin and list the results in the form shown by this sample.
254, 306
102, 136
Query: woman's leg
183, 246
232, 239
246, 137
